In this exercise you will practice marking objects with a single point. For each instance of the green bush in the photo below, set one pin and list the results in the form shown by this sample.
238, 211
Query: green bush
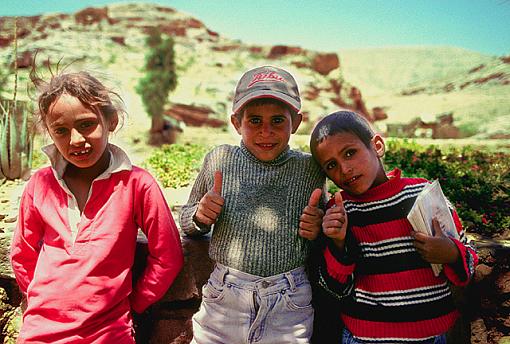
475, 181
176, 165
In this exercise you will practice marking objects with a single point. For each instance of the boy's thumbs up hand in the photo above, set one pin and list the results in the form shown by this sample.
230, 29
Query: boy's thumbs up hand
218, 180
211, 204
334, 224
439, 248
311, 218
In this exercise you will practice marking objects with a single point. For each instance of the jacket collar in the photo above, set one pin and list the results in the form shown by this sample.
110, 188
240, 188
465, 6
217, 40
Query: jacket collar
119, 161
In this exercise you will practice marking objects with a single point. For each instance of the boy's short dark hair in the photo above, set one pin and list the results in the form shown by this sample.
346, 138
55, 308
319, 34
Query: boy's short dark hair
341, 122
267, 82
266, 101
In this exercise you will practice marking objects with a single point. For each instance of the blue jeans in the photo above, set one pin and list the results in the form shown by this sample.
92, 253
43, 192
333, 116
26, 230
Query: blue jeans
347, 338
241, 308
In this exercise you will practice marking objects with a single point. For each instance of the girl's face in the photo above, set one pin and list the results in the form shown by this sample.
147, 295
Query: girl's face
80, 135
350, 164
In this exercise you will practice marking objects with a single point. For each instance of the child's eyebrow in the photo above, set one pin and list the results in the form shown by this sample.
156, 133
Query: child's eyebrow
56, 123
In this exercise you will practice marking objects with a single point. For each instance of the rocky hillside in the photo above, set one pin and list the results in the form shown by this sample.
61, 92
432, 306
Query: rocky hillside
403, 82
111, 40
426, 81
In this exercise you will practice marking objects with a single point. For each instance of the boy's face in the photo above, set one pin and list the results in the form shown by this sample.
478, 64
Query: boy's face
266, 129
350, 164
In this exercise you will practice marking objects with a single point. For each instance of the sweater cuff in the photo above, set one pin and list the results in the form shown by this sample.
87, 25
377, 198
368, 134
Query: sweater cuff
188, 224
461, 271
338, 268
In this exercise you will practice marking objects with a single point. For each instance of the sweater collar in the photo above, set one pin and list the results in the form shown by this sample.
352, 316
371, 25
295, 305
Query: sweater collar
119, 161
280, 159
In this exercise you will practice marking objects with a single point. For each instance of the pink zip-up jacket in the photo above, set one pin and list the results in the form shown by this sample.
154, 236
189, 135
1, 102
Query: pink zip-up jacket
75, 269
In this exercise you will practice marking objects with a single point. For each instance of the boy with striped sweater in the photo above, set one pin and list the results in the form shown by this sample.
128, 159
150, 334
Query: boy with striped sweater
373, 260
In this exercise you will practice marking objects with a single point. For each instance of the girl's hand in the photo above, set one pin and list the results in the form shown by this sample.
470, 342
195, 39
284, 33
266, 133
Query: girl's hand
311, 219
438, 249
334, 223
211, 204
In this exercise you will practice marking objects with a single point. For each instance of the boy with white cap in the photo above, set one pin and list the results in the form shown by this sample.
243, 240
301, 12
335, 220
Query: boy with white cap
263, 201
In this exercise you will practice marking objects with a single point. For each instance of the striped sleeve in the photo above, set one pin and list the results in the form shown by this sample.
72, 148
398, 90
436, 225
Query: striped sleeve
461, 272
336, 272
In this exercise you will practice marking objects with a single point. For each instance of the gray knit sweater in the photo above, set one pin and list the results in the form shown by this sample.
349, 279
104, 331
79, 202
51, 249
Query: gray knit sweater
257, 230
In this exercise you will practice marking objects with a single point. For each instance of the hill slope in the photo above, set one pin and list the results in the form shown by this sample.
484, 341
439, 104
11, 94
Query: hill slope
408, 82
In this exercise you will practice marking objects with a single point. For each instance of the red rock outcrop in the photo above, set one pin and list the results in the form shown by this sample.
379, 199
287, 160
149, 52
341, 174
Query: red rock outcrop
91, 15
325, 63
119, 40
282, 50
195, 116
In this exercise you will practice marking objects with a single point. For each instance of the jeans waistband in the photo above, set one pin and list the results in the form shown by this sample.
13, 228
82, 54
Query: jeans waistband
287, 280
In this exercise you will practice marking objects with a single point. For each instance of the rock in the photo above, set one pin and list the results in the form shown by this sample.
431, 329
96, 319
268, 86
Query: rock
228, 47
184, 286
503, 283
379, 113
25, 59
10, 318
195, 116
5, 263
482, 271
91, 15
281, 50
173, 328
119, 40
5, 41
325, 63
478, 332
11, 219
505, 322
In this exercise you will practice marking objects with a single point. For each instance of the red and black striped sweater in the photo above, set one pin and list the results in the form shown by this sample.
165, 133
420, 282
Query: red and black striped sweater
389, 293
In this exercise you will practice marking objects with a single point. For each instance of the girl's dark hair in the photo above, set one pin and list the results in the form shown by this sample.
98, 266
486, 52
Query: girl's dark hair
341, 122
90, 91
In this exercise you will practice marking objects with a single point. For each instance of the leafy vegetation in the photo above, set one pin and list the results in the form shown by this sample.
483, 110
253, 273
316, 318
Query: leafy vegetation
476, 181
176, 165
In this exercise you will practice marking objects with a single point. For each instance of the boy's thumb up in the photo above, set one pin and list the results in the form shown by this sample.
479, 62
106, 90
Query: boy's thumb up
315, 198
218, 179
339, 202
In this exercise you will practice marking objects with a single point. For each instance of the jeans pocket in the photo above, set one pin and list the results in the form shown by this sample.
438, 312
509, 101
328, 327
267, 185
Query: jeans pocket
212, 292
300, 298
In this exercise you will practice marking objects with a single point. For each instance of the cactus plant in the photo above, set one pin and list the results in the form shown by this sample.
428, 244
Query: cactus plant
16, 140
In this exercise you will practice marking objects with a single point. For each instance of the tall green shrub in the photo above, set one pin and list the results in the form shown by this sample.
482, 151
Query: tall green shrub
160, 77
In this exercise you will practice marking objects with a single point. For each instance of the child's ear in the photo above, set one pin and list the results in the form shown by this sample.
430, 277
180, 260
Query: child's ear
378, 144
296, 121
236, 123
113, 122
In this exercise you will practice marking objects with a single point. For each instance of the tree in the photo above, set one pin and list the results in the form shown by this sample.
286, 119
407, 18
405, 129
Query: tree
160, 79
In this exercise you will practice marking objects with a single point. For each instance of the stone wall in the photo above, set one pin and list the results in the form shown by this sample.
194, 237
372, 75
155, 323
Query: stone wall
485, 303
